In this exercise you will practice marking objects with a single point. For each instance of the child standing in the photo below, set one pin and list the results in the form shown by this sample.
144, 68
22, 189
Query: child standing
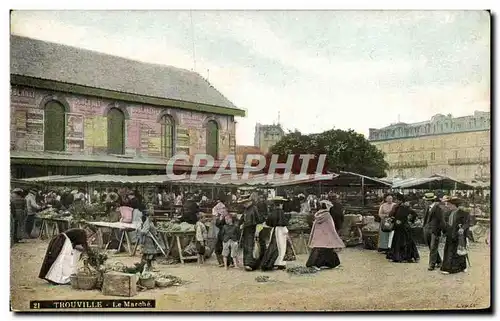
230, 237
201, 236
150, 240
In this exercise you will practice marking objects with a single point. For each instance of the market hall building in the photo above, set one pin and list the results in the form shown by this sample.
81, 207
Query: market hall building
76, 111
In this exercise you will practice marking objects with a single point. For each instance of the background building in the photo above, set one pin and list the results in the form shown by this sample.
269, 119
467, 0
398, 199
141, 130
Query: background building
243, 150
76, 111
458, 147
267, 135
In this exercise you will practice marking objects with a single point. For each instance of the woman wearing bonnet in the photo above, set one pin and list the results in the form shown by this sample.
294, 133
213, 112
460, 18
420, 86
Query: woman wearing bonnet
324, 240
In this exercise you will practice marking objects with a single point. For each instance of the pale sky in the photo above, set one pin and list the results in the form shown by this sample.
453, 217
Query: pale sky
319, 69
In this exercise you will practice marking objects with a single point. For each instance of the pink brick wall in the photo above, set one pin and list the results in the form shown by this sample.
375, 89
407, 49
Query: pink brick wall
88, 132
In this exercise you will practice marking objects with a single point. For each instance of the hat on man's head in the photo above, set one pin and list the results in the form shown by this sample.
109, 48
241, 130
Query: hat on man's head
17, 191
429, 196
455, 201
445, 198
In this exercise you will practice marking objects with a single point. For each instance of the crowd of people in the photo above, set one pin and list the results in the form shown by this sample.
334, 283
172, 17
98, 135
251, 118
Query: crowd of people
26, 204
267, 254
443, 217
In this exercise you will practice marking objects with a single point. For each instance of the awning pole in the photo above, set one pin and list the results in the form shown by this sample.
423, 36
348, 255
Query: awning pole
363, 191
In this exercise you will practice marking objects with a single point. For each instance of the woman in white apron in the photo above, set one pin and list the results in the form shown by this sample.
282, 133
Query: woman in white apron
385, 238
274, 256
62, 256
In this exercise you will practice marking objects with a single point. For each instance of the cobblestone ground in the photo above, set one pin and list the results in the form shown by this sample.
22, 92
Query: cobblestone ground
365, 281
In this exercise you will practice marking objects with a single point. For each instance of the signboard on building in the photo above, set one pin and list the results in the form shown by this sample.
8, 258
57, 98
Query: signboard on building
154, 146
75, 132
74, 126
20, 120
95, 131
34, 129
183, 140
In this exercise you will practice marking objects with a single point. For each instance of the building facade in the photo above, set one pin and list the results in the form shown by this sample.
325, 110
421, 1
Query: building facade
267, 136
242, 151
76, 111
457, 147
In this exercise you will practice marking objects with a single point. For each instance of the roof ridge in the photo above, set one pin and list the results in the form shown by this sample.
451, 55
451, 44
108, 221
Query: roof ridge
210, 84
99, 69
105, 54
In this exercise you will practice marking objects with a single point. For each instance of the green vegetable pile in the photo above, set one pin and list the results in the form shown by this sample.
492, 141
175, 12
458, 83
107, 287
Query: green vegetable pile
96, 258
175, 227
300, 270
85, 212
298, 222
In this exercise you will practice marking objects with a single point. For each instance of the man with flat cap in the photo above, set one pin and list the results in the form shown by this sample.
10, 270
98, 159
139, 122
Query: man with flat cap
17, 215
32, 208
433, 226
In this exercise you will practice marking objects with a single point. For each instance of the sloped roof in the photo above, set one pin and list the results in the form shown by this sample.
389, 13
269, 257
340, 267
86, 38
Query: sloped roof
71, 65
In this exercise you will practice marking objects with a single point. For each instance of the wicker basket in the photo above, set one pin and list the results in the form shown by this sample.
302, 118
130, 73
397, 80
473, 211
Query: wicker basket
148, 283
164, 282
83, 280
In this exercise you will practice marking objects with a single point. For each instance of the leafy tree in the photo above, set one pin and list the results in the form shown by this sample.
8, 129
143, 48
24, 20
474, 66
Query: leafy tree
345, 150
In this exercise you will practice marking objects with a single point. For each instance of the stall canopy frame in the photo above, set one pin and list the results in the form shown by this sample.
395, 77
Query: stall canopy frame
433, 182
258, 180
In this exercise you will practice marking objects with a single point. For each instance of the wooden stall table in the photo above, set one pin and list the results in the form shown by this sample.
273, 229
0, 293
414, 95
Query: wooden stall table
175, 240
50, 227
123, 227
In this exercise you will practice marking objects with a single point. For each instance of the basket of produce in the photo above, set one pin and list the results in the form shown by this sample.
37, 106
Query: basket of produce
147, 280
84, 279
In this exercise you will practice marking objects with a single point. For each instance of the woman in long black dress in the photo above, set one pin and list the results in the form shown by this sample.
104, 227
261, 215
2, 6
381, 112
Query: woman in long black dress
403, 247
457, 228
220, 211
277, 220
248, 225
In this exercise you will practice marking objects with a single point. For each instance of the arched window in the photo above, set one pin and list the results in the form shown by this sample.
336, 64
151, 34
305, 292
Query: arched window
54, 126
116, 131
167, 136
212, 139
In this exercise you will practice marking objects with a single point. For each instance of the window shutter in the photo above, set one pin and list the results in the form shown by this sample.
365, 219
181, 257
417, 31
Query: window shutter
54, 135
116, 131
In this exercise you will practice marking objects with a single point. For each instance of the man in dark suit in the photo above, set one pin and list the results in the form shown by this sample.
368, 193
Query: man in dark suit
337, 212
433, 227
